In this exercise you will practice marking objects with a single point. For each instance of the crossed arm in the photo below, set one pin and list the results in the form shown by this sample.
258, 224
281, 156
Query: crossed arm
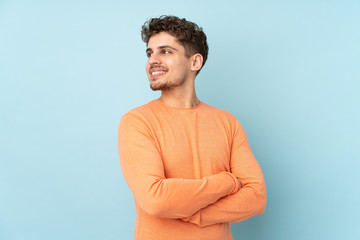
249, 200
143, 170
214, 199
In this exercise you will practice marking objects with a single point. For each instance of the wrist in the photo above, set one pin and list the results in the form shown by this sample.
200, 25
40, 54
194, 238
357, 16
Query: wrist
237, 183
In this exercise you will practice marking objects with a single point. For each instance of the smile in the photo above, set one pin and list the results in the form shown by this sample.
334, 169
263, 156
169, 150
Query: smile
156, 72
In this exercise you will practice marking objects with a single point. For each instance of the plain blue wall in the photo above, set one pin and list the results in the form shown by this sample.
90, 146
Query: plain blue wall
289, 70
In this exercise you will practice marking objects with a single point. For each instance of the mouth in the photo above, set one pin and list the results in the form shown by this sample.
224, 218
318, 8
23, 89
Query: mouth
157, 72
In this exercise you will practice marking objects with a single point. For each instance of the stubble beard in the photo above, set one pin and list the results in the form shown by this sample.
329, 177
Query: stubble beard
168, 85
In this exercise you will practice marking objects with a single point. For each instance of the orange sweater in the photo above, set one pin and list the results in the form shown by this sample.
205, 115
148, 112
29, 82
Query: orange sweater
183, 166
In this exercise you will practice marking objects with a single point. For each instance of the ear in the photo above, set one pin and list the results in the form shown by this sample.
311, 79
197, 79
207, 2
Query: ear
197, 62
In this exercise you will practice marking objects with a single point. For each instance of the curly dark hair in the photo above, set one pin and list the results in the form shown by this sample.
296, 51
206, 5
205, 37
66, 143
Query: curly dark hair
187, 33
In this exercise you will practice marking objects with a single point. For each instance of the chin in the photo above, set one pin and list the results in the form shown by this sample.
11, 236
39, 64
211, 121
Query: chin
157, 85
162, 87
154, 89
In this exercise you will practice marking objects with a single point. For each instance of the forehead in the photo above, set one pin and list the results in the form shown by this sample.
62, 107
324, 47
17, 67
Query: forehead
163, 39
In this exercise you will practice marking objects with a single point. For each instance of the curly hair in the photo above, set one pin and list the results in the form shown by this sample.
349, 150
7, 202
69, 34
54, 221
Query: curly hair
188, 34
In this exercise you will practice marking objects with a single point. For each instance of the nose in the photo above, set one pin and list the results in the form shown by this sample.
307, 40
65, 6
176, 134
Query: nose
154, 59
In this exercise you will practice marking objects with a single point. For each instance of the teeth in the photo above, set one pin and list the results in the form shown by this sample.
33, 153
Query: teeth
158, 72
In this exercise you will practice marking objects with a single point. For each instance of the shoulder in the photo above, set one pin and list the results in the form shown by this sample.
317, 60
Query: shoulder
140, 118
223, 114
139, 112
225, 119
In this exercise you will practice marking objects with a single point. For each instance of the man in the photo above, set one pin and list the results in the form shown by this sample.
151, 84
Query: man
188, 164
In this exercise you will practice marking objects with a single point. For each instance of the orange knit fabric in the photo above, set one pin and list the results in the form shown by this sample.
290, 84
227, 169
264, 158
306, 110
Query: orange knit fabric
183, 166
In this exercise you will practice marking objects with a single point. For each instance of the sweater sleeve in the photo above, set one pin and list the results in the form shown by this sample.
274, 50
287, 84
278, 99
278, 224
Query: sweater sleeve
250, 200
143, 170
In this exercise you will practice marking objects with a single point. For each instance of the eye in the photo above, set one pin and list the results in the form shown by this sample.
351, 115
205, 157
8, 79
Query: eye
148, 54
165, 52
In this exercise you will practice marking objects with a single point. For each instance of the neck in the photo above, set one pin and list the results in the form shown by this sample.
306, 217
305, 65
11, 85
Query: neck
184, 97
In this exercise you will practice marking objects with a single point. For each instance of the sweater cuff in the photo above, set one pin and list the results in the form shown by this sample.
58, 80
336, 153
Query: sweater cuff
236, 181
195, 219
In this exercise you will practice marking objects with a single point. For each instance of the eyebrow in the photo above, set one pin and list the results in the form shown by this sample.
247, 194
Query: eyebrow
162, 47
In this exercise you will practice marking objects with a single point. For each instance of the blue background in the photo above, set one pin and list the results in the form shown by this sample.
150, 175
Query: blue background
288, 70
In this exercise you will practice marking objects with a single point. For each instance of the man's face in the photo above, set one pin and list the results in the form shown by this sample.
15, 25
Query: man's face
167, 66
